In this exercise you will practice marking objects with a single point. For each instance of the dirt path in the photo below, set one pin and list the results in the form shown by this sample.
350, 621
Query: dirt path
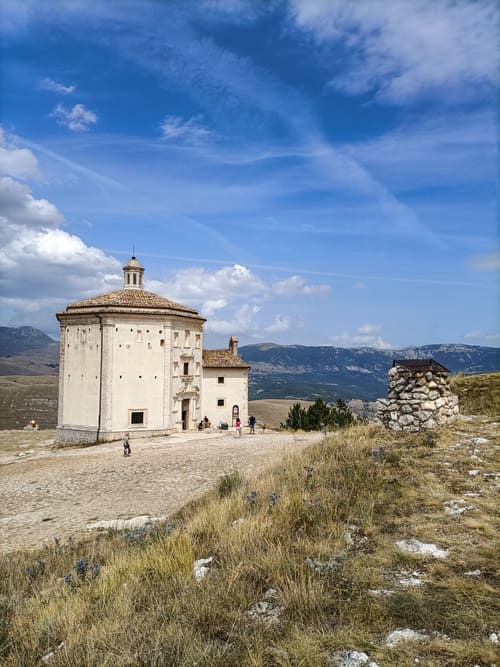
47, 493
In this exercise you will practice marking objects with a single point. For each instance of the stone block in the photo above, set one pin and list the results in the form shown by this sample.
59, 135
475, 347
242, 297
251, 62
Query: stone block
406, 420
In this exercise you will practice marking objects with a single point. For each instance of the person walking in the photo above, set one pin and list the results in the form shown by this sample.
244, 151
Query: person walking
238, 427
251, 423
126, 446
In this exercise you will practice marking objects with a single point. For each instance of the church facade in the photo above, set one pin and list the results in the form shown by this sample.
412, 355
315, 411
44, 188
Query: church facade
132, 361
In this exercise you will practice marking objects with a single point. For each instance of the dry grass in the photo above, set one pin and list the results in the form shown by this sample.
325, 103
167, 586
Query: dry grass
478, 394
146, 608
273, 412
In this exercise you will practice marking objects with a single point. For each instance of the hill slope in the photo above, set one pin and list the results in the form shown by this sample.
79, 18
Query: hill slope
304, 372
307, 563
27, 351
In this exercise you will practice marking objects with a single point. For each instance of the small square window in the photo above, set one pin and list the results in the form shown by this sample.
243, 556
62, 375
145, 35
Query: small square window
221, 402
220, 380
137, 417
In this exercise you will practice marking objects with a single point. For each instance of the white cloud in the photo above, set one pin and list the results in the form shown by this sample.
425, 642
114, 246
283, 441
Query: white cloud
42, 267
242, 322
403, 49
175, 127
50, 84
77, 119
487, 262
232, 298
18, 162
480, 335
18, 207
295, 285
279, 324
367, 335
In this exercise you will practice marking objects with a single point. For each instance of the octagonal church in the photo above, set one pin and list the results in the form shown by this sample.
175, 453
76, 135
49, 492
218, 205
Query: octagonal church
133, 361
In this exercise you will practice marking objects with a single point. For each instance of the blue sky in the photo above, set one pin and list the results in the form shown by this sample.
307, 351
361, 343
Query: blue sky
317, 172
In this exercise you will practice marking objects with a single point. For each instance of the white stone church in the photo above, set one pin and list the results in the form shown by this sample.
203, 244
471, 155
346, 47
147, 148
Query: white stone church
133, 361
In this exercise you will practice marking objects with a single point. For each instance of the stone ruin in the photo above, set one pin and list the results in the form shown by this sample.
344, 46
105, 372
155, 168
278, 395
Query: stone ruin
419, 396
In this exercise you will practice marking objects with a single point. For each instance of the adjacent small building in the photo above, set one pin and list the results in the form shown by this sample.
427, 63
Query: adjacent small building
419, 396
133, 361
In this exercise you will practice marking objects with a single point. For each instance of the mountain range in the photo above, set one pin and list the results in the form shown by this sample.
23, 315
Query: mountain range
279, 371
306, 372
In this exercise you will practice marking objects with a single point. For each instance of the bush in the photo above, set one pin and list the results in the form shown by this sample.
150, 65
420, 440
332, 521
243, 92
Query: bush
319, 415
229, 483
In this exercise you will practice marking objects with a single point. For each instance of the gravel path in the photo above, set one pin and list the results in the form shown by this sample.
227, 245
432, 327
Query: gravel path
47, 493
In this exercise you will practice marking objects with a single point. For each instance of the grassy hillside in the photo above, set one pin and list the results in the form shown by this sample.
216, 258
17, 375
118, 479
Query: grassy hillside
305, 565
23, 398
478, 394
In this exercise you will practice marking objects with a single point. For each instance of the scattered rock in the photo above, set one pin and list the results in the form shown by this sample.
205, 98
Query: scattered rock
454, 507
407, 635
411, 579
48, 656
351, 659
201, 567
126, 524
472, 573
473, 473
493, 637
355, 538
413, 546
268, 609
380, 593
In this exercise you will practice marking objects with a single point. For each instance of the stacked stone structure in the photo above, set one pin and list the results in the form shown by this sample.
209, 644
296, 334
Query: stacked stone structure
419, 396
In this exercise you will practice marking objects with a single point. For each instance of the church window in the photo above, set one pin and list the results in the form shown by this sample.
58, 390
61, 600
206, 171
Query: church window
128, 278
220, 379
198, 341
137, 417
162, 342
176, 369
221, 402
139, 335
176, 339
135, 278
197, 368
186, 368
187, 335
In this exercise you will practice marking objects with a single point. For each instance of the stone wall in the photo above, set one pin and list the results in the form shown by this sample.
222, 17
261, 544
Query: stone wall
417, 400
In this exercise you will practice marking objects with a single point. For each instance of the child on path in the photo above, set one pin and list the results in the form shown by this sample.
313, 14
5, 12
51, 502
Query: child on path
238, 427
126, 446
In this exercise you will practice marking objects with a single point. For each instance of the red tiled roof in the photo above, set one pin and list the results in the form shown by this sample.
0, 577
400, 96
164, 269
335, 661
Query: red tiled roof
130, 298
222, 359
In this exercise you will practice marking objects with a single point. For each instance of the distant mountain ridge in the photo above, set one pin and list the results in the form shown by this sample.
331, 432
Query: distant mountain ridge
279, 371
310, 372
27, 351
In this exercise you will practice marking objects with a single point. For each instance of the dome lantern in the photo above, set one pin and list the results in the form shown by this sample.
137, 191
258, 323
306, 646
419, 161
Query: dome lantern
133, 272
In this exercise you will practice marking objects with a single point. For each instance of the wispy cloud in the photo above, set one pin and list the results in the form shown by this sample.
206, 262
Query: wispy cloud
191, 130
401, 52
77, 119
366, 335
484, 337
50, 84
487, 262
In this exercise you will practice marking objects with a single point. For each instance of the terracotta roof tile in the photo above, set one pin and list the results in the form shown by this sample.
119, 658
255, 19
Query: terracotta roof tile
222, 359
130, 298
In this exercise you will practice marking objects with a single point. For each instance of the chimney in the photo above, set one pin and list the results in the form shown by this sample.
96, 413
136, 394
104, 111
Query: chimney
233, 346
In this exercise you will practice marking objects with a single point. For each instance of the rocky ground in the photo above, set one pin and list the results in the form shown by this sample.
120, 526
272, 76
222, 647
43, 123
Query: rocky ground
48, 493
